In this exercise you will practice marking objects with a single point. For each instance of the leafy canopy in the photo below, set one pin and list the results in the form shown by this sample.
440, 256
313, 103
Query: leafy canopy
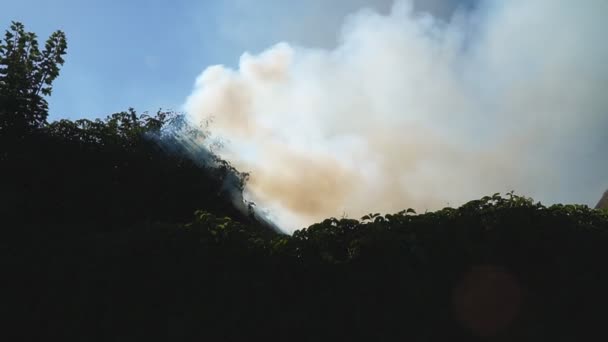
26, 76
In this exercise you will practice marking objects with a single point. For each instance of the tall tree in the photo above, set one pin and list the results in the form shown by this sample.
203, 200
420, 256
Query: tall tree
26, 76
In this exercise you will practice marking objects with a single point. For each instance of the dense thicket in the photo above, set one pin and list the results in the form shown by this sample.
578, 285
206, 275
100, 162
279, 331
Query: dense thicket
108, 172
110, 235
496, 269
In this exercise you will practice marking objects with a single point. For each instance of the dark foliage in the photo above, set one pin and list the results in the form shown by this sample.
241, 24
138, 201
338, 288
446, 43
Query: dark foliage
496, 269
99, 244
26, 75
108, 172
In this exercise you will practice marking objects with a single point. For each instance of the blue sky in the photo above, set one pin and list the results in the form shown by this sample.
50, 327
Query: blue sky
146, 54
143, 54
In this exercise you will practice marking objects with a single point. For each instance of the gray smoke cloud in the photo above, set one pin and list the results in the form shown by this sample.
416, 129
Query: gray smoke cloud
312, 23
413, 109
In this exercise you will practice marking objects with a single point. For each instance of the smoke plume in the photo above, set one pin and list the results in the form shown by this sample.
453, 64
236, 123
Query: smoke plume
415, 111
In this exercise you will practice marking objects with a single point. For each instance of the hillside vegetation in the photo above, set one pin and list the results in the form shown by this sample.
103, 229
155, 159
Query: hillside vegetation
115, 231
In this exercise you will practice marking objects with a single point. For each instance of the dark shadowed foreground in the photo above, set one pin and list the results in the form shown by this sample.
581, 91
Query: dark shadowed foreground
496, 269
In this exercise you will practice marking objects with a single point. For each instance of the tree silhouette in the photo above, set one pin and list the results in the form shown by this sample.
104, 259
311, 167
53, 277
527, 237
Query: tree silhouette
26, 76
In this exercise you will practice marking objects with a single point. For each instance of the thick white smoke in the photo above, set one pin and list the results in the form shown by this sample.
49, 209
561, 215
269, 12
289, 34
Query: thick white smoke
412, 111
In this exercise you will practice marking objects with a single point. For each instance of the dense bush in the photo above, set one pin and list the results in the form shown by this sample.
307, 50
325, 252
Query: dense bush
111, 171
499, 268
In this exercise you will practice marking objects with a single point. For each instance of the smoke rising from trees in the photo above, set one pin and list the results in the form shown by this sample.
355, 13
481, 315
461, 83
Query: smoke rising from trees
412, 110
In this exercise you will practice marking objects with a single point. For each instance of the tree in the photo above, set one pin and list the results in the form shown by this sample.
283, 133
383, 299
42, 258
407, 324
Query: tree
26, 76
